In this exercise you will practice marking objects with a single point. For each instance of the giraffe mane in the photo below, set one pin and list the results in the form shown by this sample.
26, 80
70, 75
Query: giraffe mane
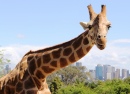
14, 74
64, 44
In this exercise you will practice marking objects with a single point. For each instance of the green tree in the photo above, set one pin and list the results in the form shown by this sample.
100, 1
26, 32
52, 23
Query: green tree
77, 88
3, 62
55, 85
115, 86
69, 75
127, 80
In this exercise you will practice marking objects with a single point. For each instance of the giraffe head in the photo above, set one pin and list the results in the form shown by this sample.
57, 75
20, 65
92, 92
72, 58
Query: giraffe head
98, 26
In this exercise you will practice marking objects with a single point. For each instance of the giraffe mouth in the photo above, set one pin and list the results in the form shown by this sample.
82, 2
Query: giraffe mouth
100, 46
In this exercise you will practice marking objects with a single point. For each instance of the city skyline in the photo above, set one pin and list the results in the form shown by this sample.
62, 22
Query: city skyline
104, 72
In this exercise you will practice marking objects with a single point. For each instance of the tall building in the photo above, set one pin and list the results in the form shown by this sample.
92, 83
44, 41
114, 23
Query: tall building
113, 72
105, 72
78, 64
109, 75
117, 74
124, 73
92, 74
108, 72
99, 72
7, 69
127, 73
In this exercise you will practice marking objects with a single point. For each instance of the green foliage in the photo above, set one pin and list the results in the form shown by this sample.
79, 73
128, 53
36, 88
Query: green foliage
55, 85
3, 62
75, 89
74, 82
127, 80
70, 75
115, 86
91, 85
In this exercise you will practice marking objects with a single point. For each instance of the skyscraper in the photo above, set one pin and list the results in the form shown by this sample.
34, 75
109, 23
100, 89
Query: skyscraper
127, 73
78, 64
124, 73
99, 72
108, 72
7, 69
105, 72
109, 68
113, 72
117, 73
92, 74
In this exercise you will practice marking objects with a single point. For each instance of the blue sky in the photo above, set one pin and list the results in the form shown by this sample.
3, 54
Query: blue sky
36, 23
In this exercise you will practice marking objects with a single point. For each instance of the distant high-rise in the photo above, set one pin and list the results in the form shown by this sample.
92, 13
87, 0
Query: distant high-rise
124, 73
108, 72
7, 69
127, 73
105, 72
117, 73
78, 64
92, 74
113, 72
99, 72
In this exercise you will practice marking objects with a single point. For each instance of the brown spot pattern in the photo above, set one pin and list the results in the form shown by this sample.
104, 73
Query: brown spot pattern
67, 51
19, 86
88, 48
77, 43
26, 74
92, 37
12, 90
7, 90
53, 63
63, 62
23, 92
13, 83
46, 58
29, 83
39, 74
72, 58
30, 57
86, 32
39, 62
85, 41
38, 83
56, 54
31, 92
32, 66
80, 52
47, 69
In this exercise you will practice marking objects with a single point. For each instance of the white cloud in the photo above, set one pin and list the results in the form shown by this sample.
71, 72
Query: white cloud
117, 56
122, 41
16, 52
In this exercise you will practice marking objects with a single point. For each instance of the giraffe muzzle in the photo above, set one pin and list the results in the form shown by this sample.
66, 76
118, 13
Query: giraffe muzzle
101, 43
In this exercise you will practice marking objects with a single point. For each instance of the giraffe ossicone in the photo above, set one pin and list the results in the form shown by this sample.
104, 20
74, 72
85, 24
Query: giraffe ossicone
29, 75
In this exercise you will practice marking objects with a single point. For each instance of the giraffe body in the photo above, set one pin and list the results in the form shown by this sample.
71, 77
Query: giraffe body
29, 76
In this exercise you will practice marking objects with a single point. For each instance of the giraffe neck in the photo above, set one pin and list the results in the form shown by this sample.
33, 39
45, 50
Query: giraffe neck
44, 62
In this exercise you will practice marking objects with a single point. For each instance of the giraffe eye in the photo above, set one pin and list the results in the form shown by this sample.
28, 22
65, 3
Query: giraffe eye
108, 26
89, 27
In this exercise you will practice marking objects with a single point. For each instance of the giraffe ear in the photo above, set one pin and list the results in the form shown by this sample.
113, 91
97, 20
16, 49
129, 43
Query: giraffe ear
84, 25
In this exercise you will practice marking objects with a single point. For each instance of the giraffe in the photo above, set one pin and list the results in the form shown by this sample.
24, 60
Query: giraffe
29, 75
